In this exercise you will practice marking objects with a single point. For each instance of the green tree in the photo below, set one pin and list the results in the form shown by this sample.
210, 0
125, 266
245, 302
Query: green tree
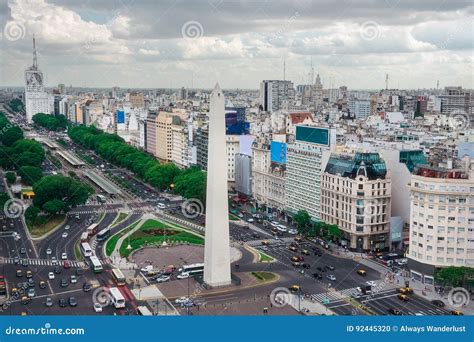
454, 276
11, 177
50, 122
11, 135
303, 221
31, 213
162, 176
30, 174
57, 187
16, 105
191, 185
55, 206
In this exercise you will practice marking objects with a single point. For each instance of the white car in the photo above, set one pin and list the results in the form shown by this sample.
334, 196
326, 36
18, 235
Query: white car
97, 307
49, 251
64, 235
250, 220
331, 277
181, 300
64, 256
183, 275
371, 283
162, 279
146, 269
54, 261
67, 227
293, 231
51, 275
73, 279
161, 206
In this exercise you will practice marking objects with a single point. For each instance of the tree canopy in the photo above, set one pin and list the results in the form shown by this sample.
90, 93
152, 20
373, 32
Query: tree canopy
50, 122
189, 183
30, 174
58, 193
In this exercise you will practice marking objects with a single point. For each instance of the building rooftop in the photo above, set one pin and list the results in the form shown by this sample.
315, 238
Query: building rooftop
351, 166
439, 172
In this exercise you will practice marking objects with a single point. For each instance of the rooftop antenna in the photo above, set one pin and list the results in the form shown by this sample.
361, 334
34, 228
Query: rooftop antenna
312, 71
284, 69
35, 59
386, 81
437, 84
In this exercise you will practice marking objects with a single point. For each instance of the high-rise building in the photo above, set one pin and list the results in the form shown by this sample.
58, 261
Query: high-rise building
359, 109
305, 159
164, 135
355, 196
441, 221
243, 174
180, 146
150, 134
201, 142
276, 95
36, 99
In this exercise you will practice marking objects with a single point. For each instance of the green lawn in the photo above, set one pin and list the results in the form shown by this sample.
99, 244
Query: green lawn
264, 276
120, 218
264, 257
77, 252
232, 217
38, 230
154, 232
112, 242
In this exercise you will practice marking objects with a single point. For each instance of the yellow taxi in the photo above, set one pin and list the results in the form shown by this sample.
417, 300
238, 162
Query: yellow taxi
295, 288
361, 272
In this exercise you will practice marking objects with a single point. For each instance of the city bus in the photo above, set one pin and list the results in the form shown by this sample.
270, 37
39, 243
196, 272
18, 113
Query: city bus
101, 198
192, 269
85, 237
96, 265
117, 298
142, 310
92, 229
86, 249
103, 234
118, 277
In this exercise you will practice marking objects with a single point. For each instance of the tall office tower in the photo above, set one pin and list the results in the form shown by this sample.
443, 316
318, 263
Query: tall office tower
36, 99
217, 247
276, 95
305, 161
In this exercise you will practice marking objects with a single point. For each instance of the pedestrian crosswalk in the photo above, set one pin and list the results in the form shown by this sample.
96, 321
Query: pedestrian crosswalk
110, 211
333, 296
49, 262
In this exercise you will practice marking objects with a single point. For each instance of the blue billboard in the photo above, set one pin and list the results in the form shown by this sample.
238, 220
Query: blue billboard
278, 152
120, 116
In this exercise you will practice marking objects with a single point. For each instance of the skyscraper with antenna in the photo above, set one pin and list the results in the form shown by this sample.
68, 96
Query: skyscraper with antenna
36, 99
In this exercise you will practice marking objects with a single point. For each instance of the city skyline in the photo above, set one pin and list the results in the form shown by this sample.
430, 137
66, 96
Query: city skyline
110, 44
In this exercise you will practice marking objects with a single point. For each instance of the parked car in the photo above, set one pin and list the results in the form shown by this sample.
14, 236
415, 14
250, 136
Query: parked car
331, 277
86, 287
49, 302
72, 301
97, 307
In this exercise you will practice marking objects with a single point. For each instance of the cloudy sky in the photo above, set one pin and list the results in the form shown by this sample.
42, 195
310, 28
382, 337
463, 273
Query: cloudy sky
194, 43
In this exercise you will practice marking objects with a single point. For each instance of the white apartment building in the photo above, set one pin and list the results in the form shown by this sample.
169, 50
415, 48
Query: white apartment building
441, 221
268, 182
180, 150
232, 148
355, 196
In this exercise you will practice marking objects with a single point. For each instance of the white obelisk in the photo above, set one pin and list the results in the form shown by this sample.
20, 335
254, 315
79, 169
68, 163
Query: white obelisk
217, 248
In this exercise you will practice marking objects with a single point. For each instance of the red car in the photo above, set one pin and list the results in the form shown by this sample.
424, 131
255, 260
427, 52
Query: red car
66, 264
301, 258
